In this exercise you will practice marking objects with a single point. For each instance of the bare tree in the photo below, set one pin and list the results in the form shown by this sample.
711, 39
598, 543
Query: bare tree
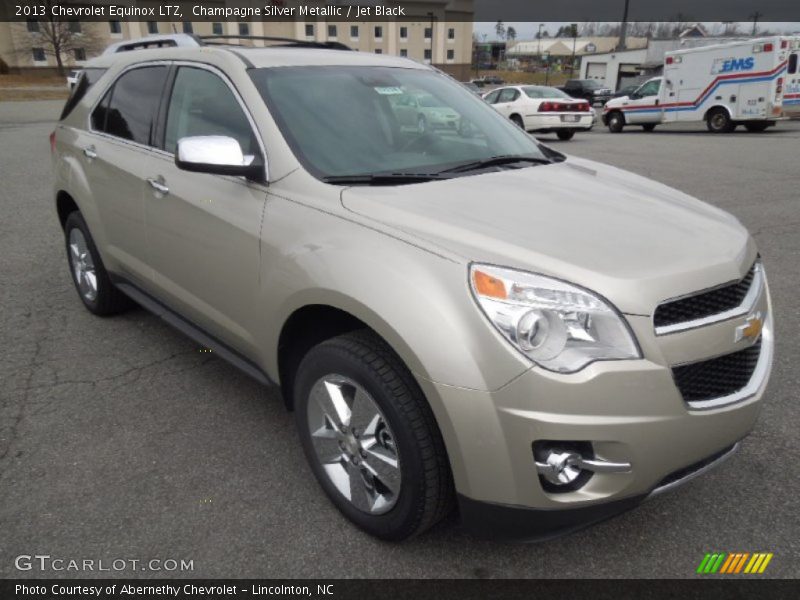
500, 29
60, 38
511, 34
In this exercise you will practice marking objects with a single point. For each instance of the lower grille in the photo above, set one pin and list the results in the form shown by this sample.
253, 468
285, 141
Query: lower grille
718, 377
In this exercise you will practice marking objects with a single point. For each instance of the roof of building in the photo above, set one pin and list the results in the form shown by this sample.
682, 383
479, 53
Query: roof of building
564, 46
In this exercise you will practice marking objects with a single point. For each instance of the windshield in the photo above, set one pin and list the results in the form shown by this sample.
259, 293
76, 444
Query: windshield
537, 92
343, 121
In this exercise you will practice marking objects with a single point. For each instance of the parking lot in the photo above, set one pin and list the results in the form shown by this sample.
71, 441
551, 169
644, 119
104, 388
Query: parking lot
120, 439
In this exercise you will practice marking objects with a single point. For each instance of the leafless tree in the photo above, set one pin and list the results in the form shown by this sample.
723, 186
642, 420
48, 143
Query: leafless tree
59, 38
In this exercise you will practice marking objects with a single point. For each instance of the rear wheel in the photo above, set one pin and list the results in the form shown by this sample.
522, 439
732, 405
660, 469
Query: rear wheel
371, 438
649, 127
719, 121
89, 275
517, 120
616, 121
565, 134
756, 127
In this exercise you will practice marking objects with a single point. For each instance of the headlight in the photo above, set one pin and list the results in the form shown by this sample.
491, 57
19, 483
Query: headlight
557, 325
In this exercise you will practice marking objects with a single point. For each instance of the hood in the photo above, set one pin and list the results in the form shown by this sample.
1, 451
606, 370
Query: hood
635, 241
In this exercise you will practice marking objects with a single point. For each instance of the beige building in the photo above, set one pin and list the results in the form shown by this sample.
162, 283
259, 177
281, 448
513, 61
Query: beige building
437, 32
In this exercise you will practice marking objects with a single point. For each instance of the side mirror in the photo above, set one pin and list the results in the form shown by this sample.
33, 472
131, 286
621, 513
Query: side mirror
217, 155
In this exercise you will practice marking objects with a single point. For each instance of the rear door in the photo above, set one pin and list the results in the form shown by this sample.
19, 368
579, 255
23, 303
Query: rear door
791, 91
203, 230
505, 101
114, 153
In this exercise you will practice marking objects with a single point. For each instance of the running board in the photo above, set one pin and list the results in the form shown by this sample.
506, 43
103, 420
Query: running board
192, 331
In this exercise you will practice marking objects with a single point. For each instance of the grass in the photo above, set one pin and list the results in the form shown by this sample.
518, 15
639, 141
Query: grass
21, 95
19, 88
32, 80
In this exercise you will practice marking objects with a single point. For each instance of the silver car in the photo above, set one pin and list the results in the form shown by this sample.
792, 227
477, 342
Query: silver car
456, 316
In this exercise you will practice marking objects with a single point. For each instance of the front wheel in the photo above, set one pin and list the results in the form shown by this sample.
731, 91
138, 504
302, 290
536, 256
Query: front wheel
371, 438
517, 120
616, 121
565, 134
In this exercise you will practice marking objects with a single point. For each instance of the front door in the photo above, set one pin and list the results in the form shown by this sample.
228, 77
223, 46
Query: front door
643, 106
203, 230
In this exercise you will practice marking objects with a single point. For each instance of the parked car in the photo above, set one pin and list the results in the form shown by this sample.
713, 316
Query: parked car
587, 89
477, 318
542, 109
422, 111
72, 78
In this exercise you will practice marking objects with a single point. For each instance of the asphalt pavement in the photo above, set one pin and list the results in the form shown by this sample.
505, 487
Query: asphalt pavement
121, 440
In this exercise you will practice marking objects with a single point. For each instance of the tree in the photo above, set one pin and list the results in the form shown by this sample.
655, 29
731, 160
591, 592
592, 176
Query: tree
501, 30
511, 34
59, 38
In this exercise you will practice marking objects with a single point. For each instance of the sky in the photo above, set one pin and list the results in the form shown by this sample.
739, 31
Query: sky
527, 31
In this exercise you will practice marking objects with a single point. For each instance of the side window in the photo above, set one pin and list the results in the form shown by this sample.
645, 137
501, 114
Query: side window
792, 69
508, 95
129, 108
202, 104
492, 97
650, 88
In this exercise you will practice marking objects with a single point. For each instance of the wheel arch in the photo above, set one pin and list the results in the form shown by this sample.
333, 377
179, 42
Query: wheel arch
717, 107
65, 204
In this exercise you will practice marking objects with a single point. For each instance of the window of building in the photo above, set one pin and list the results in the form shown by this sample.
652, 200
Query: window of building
403, 52
216, 28
152, 27
404, 33
244, 28
354, 32
451, 34
332, 31
115, 27
187, 27
378, 32
202, 104
80, 54
33, 25
38, 54
378, 51
130, 106
428, 33
451, 54
427, 54
309, 30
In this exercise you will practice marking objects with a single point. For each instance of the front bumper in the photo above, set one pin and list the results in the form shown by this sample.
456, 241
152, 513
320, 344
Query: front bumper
629, 411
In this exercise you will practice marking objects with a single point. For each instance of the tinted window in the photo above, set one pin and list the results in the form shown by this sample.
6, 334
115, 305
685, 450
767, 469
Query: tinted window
202, 104
86, 79
792, 64
134, 102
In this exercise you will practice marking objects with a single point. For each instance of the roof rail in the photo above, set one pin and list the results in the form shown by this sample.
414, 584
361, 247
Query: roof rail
155, 41
212, 40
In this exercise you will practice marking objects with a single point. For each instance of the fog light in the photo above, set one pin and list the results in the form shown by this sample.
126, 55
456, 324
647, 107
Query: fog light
567, 466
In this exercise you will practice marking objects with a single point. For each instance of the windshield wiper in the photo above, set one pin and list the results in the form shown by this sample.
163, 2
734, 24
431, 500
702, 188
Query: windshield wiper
497, 161
383, 178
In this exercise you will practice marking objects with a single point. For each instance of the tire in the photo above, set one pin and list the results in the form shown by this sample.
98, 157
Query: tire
565, 134
359, 368
616, 121
517, 120
649, 127
89, 275
756, 127
719, 121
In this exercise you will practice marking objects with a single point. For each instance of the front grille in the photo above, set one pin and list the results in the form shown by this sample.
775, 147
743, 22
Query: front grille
704, 304
718, 377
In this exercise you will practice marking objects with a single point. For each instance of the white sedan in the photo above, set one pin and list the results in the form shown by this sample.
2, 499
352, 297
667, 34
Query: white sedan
542, 109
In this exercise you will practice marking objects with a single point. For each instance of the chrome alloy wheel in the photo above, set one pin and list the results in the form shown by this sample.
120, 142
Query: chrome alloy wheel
354, 444
83, 269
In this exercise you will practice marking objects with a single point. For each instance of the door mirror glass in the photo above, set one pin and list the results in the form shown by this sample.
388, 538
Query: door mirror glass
218, 155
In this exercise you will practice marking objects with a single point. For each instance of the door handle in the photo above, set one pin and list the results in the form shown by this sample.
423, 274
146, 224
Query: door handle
656, 102
158, 186
89, 152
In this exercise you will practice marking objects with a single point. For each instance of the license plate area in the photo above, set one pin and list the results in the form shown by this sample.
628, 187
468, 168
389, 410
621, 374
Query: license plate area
570, 118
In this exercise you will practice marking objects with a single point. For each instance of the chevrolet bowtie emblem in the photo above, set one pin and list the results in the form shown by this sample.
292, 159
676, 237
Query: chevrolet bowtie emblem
751, 329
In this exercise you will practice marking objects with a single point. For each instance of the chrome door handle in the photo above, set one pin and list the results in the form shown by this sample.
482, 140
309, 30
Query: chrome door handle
89, 152
158, 186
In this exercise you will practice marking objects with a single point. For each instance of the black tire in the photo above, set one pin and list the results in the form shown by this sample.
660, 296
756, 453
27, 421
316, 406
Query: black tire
615, 121
426, 488
649, 127
756, 127
565, 134
108, 299
517, 120
719, 121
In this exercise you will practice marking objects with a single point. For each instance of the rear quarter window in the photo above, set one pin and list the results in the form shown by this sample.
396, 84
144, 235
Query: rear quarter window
86, 79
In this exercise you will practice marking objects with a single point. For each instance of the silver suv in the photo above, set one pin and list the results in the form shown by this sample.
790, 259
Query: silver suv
456, 315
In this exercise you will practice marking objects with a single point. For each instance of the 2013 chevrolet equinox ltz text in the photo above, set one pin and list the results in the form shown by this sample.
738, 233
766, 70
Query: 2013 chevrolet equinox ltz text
456, 314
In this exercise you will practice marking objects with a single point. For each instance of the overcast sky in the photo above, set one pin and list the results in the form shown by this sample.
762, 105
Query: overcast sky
527, 31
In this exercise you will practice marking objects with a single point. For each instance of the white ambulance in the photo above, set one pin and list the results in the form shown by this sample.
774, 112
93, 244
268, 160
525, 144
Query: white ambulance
791, 87
725, 85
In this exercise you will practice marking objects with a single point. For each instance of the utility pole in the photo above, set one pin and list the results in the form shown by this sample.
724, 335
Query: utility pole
623, 30
574, 31
755, 16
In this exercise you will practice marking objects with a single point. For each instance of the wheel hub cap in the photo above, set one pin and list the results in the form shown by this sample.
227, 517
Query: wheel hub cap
83, 269
353, 443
